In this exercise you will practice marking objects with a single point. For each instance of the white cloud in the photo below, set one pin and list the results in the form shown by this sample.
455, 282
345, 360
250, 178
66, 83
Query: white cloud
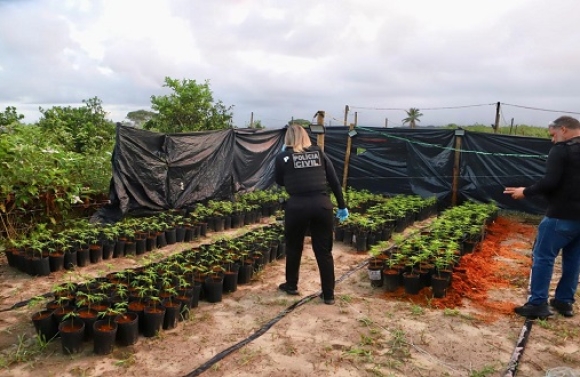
289, 59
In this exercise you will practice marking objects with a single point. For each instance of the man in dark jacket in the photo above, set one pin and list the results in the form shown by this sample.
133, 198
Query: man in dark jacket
560, 228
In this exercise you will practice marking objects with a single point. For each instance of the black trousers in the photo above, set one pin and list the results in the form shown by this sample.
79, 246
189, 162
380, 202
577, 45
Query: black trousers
314, 212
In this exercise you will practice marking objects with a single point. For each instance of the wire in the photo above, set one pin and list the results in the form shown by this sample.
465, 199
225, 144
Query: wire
382, 133
540, 109
422, 108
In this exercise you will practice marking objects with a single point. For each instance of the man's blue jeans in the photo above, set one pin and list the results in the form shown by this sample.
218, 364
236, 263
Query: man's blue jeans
553, 235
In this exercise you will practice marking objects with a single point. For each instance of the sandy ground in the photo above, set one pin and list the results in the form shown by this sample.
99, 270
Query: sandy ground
363, 334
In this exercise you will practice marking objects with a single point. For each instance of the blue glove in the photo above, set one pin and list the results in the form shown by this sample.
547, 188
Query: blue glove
283, 148
342, 214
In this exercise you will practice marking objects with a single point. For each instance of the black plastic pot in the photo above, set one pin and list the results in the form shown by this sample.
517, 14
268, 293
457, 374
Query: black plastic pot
171, 236
130, 248
127, 329
140, 246
172, 309
213, 289
83, 257
70, 259
439, 285
72, 334
96, 253
391, 280
45, 324
56, 261
231, 280
41, 266
245, 273
119, 250
153, 320
105, 332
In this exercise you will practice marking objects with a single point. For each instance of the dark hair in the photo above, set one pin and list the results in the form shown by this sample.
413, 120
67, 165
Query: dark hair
566, 121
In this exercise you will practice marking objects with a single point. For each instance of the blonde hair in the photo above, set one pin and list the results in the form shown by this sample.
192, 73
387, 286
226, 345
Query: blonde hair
297, 138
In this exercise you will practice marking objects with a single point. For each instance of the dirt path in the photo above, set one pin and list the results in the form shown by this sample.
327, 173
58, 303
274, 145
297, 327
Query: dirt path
366, 333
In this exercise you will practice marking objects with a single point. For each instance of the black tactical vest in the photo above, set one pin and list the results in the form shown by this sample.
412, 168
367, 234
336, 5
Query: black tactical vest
305, 172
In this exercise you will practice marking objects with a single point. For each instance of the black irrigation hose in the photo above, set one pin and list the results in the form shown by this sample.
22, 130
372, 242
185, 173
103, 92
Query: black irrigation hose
261, 331
25, 302
519, 350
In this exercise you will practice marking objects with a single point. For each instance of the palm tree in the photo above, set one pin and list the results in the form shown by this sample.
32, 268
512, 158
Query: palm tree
413, 116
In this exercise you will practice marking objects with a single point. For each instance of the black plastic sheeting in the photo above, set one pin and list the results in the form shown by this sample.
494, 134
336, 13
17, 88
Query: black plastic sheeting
491, 162
395, 161
154, 172
420, 161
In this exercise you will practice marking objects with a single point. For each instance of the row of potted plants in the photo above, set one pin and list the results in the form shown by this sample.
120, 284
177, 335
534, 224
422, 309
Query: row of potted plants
46, 250
156, 296
427, 258
381, 217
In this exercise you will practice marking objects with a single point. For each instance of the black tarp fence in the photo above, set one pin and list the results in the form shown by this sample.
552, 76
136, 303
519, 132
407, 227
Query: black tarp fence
155, 172
420, 161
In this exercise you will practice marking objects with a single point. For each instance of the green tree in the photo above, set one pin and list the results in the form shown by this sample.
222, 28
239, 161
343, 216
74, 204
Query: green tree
190, 107
258, 124
303, 122
520, 130
412, 118
10, 116
78, 129
140, 117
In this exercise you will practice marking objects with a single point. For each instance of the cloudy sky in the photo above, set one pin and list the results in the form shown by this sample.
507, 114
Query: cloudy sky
452, 59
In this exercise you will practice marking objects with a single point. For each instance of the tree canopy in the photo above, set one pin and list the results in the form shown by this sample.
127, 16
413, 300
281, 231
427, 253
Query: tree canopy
78, 129
191, 107
140, 117
302, 122
10, 116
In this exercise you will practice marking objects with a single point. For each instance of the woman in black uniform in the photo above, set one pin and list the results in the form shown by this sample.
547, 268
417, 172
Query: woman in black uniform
306, 171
